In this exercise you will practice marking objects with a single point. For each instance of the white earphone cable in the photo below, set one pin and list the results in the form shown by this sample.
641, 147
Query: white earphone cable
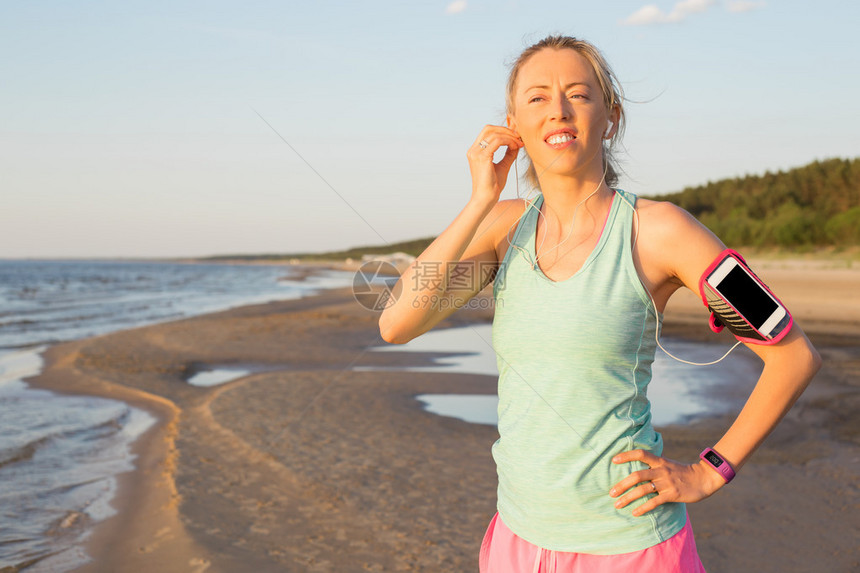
530, 204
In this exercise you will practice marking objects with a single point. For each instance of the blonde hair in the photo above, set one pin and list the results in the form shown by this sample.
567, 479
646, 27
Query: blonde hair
613, 95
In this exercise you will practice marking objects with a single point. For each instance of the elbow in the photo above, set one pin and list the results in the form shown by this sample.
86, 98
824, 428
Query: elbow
815, 360
390, 333
811, 364
390, 336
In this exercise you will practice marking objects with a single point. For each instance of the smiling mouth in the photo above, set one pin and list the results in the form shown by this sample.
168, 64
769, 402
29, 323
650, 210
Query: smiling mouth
560, 139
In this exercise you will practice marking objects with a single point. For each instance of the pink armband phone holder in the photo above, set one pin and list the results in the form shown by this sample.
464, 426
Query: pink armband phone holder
725, 314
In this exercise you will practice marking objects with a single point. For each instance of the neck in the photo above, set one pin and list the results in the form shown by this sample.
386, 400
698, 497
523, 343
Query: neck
564, 195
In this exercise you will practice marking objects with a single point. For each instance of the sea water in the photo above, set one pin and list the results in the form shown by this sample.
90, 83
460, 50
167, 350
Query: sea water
59, 455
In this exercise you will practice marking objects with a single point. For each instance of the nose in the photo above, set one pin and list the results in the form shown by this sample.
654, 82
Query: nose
561, 108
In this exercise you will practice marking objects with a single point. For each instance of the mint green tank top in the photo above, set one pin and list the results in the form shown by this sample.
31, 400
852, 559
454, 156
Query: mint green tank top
574, 360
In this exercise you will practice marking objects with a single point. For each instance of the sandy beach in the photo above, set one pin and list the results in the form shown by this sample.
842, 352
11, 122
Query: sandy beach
308, 465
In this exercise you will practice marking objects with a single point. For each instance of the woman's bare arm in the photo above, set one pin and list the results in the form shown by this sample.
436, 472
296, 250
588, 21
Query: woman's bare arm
452, 270
456, 265
686, 249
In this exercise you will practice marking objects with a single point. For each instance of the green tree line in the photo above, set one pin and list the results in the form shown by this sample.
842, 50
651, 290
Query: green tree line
814, 205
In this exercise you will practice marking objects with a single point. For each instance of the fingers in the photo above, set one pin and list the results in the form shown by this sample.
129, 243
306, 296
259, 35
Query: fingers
639, 476
493, 137
488, 178
648, 505
637, 456
670, 481
642, 476
638, 492
509, 158
501, 135
645, 478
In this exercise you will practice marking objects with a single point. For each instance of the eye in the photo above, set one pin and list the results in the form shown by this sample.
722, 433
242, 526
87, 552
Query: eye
536, 98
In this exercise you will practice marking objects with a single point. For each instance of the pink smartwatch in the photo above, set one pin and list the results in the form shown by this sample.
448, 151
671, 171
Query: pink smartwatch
716, 461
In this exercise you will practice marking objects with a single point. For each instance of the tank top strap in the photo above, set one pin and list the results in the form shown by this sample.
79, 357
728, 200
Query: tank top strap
627, 206
618, 232
525, 229
625, 239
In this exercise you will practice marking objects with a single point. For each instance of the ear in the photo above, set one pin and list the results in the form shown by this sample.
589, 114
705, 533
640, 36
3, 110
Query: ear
614, 116
512, 123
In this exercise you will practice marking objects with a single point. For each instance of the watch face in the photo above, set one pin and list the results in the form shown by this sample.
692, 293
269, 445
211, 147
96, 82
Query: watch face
715, 460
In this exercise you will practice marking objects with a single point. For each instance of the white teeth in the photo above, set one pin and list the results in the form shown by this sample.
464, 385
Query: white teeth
560, 138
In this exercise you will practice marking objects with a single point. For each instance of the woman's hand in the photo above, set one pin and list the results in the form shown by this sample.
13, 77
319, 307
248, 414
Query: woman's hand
671, 481
488, 178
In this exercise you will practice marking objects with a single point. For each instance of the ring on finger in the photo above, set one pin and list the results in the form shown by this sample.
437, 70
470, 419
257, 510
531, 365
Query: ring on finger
653, 487
483, 144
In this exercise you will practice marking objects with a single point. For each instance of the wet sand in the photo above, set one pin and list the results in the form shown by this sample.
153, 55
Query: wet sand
310, 466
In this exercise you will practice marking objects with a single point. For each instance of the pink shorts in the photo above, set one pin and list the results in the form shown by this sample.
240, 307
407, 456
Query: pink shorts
503, 552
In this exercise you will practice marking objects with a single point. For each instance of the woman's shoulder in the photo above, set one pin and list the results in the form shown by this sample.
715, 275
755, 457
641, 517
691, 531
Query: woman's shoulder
666, 218
501, 222
506, 205
506, 212
668, 234
657, 207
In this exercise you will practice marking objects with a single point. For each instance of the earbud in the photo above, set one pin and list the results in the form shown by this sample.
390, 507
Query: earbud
609, 126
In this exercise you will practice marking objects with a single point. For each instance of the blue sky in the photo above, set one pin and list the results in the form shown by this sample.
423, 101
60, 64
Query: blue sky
132, 128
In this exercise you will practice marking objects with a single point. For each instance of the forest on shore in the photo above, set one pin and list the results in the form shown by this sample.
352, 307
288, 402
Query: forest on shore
817, 205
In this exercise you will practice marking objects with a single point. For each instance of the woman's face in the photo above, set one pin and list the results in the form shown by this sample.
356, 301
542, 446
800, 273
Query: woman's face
560, 114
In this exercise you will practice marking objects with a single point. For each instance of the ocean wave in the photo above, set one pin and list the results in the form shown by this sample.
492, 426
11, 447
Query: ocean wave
21, 453
97, 429
24, 345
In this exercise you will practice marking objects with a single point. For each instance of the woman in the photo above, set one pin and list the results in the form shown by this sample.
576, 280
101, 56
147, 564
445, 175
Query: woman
582, 272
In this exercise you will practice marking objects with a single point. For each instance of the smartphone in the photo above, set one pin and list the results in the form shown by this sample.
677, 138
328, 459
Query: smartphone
743, 303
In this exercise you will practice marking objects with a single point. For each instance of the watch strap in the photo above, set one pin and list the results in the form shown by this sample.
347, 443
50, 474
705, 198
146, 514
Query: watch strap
718, 463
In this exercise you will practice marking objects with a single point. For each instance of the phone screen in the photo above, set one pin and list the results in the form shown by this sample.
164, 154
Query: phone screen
747, 296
